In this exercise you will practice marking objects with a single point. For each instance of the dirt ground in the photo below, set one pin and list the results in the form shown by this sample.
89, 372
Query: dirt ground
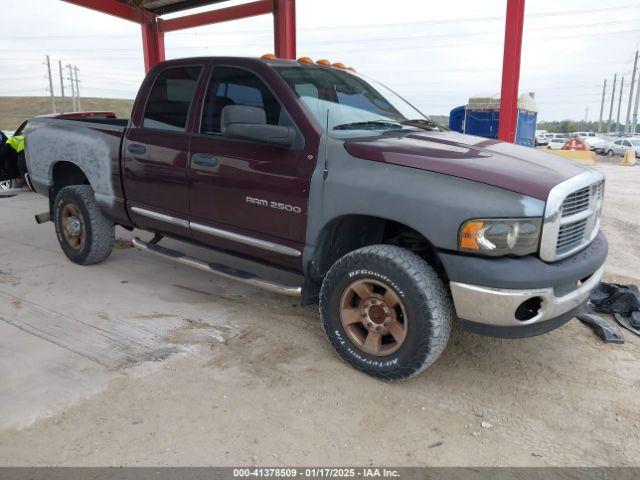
140, 362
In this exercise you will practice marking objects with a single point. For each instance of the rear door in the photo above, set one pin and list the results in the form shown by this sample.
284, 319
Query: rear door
156, 153
247, 196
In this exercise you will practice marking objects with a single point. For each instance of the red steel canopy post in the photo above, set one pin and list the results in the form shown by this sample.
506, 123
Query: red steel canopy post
152, 44
511, 70
284, 28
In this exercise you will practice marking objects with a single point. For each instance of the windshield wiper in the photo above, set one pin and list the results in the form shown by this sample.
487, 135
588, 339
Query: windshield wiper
424, 124
370, 124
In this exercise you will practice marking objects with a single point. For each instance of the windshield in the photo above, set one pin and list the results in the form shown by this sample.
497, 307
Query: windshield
635, 143
351, 103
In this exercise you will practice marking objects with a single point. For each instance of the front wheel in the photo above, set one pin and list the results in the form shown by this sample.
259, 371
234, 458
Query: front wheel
609, 153
386, 311
85, 235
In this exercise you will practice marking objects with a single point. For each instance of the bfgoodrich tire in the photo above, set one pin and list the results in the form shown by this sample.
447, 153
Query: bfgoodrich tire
386, 311
86, 236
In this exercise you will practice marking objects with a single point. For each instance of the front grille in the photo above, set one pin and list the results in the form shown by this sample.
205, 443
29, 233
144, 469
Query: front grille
573, 234
570, 236
576, 202
572, 215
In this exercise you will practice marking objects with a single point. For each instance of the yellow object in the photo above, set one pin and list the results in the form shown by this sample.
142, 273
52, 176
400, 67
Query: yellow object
323, 61
580, 156
339, 65
469, 235
629, 159
269, 56
305, 60
17, 143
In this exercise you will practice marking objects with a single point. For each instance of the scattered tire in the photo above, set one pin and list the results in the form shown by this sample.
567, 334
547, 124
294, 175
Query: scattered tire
386, 311
86, 236
7, 184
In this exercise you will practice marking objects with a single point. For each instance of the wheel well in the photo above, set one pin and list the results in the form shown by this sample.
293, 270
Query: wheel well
65, 174
345, 234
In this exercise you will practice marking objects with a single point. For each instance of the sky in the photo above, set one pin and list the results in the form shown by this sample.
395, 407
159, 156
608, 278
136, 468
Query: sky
436, 54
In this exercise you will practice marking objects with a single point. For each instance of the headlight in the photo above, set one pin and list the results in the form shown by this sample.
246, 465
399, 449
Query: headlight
500, 236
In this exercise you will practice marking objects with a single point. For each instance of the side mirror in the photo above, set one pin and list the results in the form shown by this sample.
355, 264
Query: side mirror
250, 123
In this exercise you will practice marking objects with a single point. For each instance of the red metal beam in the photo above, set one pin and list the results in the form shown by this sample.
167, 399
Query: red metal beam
246, 10
117, 9
511, 70
284, 28
152, 45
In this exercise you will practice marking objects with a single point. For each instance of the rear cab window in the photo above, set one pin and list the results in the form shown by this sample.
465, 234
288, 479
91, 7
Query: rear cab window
170, 98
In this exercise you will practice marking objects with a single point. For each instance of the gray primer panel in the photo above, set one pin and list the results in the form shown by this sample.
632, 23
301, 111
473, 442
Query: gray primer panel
48, 141
431, 203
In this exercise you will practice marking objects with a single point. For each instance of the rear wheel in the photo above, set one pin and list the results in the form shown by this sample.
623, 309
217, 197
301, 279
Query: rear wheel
385, 311
85, 235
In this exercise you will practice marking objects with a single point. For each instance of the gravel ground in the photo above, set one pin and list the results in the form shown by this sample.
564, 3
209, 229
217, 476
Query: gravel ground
218, 374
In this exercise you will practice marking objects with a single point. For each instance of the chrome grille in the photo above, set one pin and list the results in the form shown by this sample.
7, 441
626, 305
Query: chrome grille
576, 202
570, 236
572, 216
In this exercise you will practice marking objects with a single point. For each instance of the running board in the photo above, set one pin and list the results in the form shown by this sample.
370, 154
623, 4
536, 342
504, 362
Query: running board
216, 268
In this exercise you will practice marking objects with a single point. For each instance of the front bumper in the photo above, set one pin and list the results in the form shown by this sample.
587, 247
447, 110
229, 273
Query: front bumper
489, 294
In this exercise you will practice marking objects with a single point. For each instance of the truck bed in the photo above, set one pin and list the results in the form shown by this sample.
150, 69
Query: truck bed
90, 144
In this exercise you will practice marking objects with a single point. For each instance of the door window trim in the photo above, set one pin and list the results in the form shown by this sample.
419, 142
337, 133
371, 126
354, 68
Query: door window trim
193, 99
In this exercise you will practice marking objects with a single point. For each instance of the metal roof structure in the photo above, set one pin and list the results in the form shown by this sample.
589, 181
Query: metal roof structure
148, 13
162, 7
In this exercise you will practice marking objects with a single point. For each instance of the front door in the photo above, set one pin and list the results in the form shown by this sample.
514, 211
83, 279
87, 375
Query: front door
156, 154
245, 196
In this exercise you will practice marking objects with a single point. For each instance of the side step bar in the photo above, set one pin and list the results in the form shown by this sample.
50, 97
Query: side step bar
216, 268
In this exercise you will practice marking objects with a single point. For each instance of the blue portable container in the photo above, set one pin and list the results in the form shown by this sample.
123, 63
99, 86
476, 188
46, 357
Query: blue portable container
481, 116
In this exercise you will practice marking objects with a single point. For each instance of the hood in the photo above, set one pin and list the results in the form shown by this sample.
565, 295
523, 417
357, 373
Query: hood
512, 167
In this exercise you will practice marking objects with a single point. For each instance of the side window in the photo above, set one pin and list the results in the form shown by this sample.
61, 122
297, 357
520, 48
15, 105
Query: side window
236, 86
627, 143
617, 142
170, 98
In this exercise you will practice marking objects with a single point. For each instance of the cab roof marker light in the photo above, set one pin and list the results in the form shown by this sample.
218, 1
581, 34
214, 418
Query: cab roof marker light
269, 56
305, 60
323, 61
339, 65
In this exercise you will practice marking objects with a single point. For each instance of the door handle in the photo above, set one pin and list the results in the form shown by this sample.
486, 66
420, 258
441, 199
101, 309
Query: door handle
204, 160
136, 149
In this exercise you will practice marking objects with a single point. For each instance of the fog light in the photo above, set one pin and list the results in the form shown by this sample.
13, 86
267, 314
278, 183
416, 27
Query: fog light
528, 309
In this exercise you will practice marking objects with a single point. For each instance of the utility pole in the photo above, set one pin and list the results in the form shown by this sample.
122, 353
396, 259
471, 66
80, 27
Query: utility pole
75, 69
604, 91
586, 114
53, 95
635, 109
61, 82
619, 105
613, 94
633, 80
73, 88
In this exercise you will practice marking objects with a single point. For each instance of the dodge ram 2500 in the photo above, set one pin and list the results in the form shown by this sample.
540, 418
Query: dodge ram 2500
397, 226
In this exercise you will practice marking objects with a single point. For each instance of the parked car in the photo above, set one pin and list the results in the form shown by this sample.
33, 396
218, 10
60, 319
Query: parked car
593, 140
542, 138
396, 227
556, 143
621, 145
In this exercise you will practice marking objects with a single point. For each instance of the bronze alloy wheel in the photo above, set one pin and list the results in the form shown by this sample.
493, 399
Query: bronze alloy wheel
72, 225
373, 317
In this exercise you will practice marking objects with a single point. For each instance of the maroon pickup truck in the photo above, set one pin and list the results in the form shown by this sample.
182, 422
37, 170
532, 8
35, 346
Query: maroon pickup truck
397, 226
